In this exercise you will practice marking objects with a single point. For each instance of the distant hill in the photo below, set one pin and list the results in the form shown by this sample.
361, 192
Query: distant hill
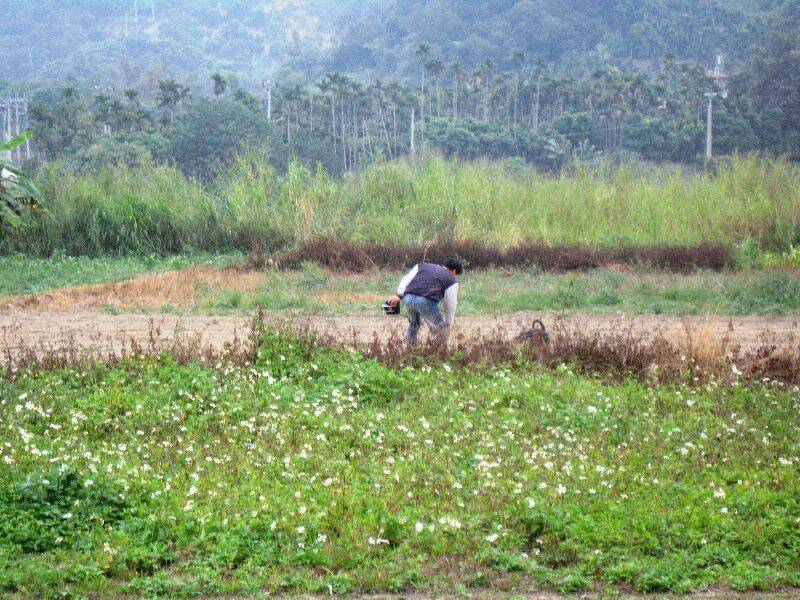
104, 41
572, 35
121, 42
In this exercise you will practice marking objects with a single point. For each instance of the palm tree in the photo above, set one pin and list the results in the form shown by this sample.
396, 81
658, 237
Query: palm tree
396, 96
132, 94
378, 93
220, 84
134, 115
474, 92
518, 59
457, 69
423, 52
170, 94
557, 150
291, 96
482, 78
435, 69
501, 82
538, 71
326, 86
102, 110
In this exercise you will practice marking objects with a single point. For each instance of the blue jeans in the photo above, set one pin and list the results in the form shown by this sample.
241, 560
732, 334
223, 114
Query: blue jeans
418, 309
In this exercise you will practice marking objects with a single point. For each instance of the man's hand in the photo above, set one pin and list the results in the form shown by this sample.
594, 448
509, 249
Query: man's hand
394, 301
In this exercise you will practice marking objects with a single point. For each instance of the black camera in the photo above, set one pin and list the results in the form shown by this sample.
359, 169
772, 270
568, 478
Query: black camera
388, 309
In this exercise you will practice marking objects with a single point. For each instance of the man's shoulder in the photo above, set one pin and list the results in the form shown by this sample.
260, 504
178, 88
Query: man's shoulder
433, 266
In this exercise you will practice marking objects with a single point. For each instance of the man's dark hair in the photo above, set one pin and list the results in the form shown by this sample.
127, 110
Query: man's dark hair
454, 265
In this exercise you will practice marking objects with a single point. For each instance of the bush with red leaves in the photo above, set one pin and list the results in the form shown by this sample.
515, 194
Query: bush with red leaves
345, 256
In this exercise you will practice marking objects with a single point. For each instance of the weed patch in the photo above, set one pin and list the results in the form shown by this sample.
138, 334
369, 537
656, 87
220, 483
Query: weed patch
51, 510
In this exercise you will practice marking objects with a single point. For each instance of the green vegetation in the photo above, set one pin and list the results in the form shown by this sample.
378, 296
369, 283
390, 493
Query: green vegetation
523, 112
314, 291
21, 274
748, 293
573, 35
154, 209
18, 194
464, 32
314, 469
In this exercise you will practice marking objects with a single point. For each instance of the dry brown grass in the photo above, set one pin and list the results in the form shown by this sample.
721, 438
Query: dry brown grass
345, 256
173, 288
699, 357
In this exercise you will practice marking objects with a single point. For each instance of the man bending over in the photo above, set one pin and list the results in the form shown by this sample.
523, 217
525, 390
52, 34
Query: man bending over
421, 290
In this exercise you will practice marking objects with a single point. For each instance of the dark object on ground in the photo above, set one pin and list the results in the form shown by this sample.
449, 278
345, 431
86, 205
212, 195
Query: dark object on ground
345, 256
388, 309
537, 334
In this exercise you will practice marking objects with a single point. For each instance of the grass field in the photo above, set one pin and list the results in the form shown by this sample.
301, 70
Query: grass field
313, 290
156, 210
201, 285
314, 469
20, 274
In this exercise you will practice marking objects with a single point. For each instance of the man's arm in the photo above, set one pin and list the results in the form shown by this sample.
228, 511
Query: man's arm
406, 281
450, 303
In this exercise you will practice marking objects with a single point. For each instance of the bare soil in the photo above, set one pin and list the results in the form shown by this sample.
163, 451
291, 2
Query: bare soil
25, 329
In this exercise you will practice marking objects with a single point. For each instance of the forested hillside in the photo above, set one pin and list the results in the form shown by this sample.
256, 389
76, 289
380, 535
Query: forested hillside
574, 35
119, 40
551, 83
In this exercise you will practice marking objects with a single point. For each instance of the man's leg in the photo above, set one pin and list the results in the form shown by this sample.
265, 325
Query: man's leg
413, 321
429, 311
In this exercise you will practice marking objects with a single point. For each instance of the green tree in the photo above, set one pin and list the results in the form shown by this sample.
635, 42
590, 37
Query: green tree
209, 135
170, 94
220, 84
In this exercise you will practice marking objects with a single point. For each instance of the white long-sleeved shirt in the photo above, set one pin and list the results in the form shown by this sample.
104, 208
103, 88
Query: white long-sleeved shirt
450, 303
401, 288
450, 295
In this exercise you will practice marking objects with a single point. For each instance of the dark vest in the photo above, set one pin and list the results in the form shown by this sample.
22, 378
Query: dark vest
430, 282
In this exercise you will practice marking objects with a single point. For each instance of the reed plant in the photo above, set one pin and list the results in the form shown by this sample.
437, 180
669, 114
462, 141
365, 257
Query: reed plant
753, 201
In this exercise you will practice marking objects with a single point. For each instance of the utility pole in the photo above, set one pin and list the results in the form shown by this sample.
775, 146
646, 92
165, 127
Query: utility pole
413, 147
710, 125
136, 16
268, 84
27, 123
6, 107
16, 126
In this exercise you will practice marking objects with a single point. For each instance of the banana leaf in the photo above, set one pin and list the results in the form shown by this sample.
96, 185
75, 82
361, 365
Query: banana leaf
18, 193
15, 142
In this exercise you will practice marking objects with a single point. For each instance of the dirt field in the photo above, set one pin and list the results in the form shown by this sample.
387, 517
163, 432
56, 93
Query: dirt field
79, 318
54, 330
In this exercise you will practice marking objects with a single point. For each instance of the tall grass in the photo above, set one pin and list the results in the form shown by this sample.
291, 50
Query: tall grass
155, 209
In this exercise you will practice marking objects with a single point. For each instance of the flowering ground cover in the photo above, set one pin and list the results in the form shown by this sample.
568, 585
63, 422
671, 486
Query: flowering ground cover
315, 469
